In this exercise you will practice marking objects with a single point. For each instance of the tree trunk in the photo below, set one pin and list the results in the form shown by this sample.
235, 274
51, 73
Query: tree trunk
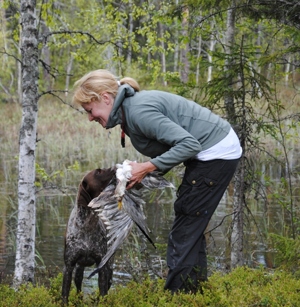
212, 44
24, 264
237, 238
184, 72
19, 66
176, 42
130, 31
229, 44
287, 69
163, 53
198, 59
69, 69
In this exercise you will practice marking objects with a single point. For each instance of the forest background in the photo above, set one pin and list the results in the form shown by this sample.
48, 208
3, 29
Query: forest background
238, 58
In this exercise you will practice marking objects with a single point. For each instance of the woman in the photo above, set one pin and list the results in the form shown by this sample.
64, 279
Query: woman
170, 130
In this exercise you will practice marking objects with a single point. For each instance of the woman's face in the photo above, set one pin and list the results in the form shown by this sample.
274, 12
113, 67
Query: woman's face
99, 110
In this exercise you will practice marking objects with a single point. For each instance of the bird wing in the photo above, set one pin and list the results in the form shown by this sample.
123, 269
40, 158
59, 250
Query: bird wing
119, 222
155, 180
133, 205
117, 232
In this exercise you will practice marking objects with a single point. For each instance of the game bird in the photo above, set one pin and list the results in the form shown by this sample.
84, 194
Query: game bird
119, 209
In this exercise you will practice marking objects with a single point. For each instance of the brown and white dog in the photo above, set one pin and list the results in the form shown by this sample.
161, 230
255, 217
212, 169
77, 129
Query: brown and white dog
85, 240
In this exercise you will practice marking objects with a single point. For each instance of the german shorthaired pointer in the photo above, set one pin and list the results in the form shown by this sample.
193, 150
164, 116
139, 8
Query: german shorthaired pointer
86, 241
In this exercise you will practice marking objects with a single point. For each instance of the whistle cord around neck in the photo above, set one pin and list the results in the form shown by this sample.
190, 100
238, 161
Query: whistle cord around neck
123, 129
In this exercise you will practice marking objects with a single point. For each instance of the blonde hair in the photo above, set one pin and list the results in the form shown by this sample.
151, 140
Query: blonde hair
94, 83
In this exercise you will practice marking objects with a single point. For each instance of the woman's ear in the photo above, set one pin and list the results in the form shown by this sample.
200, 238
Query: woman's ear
107, 98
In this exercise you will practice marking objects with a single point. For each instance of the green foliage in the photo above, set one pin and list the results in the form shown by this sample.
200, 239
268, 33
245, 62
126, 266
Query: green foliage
242, 287
246, 287
287, 252
115, 35
26, 296
253, 84
44, 177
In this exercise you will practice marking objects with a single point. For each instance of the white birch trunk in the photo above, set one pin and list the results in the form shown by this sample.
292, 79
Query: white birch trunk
176, 48
198, 59
130, 30
163, 53
176, 53
184, 74
287, 70
24, 264
19, 75
229, 43
212, 44
69, 69
259, 43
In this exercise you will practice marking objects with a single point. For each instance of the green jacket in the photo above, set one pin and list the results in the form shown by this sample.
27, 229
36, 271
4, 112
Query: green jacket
166, 127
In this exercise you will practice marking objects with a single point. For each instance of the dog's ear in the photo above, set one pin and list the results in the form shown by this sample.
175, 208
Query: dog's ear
84, 196
84, 183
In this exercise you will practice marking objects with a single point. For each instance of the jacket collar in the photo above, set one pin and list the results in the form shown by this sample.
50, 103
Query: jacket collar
115, 116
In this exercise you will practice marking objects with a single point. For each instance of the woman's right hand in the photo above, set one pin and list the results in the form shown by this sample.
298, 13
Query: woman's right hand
138, 172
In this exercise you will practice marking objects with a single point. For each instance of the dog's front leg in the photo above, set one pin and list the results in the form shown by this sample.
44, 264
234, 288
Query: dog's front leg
66, 285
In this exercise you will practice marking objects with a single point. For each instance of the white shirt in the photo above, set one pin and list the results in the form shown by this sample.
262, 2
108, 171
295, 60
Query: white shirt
227, 149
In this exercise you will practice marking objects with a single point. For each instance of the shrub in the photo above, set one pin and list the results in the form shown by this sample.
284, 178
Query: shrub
26, 296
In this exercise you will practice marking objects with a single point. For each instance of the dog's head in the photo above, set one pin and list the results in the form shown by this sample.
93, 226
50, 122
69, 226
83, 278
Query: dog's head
94, 182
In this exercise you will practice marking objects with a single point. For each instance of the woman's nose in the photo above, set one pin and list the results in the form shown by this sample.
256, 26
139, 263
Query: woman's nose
91, 117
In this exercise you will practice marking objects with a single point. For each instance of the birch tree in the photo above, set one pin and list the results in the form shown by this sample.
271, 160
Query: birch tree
184, 72
212, 44
25, 252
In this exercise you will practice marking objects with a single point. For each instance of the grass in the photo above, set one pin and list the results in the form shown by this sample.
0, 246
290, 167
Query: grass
67, 135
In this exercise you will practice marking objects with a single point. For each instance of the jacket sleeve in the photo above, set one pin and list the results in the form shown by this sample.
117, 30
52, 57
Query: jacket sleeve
154, 125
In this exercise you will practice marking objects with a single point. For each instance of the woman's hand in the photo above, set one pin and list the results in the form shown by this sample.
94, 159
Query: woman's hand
139, 171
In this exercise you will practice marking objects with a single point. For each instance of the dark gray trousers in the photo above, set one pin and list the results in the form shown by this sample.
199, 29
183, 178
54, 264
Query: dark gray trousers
202, 188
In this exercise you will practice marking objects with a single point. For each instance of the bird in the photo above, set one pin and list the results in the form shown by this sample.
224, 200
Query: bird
121, 209
123, 174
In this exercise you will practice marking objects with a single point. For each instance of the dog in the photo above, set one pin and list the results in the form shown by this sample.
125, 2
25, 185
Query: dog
85, 239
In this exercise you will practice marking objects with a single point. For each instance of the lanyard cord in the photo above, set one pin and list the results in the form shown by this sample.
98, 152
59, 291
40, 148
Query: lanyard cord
123, 129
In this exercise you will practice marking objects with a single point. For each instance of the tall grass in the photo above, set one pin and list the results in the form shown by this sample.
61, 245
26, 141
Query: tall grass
65, 137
